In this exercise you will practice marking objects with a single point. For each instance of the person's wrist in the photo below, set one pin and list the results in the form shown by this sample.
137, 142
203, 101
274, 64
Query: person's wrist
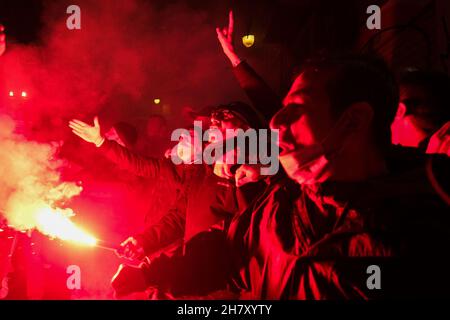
99, 142
234, 59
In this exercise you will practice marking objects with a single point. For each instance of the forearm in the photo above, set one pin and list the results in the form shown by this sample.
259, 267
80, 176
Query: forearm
234, 59
138, 165
263, 98
167, 231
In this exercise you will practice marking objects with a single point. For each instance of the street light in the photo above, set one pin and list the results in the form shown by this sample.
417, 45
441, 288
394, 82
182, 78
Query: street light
248, 40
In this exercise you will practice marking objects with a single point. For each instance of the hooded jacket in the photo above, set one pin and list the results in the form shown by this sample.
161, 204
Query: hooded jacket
323, 241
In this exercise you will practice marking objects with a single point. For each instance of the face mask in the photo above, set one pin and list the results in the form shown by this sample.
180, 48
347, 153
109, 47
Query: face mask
311, 164
306, 166
186, 150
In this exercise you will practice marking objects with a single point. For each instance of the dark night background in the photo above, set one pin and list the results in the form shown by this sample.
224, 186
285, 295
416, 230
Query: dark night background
291, 30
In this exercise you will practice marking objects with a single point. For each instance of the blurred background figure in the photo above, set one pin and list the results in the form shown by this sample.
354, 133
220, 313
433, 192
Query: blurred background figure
2, 40
155, 140
424, 108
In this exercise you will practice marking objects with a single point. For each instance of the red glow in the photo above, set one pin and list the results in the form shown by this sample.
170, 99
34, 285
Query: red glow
56, 223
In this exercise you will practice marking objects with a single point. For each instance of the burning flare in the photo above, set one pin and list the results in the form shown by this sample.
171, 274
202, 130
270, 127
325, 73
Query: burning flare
31, 191
56, 223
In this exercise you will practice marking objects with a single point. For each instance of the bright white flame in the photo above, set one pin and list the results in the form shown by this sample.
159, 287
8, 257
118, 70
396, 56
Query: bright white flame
11, 93
56, 223
24, 94
31, 190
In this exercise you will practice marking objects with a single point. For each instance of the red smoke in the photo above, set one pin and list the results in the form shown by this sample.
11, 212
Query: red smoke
126, 54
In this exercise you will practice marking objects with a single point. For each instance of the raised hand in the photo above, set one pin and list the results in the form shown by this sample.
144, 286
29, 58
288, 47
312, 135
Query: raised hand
87, 132
225, 36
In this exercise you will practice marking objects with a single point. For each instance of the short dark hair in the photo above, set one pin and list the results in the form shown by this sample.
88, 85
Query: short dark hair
127, 133
436, 109
362, 78
246, 112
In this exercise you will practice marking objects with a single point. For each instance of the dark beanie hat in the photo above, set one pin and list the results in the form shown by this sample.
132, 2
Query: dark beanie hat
246, 112
126, 132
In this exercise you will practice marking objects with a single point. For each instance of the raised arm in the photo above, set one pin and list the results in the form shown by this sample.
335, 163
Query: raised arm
263, 98
123, 157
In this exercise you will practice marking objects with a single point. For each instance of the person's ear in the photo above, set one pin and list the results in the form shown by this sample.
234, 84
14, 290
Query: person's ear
358, 117
401, 111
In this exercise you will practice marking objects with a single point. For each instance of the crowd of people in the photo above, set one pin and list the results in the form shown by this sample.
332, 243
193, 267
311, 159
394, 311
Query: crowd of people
363, 182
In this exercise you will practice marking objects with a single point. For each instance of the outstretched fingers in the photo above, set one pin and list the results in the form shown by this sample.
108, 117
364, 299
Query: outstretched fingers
77, 128
80, 123
80, 134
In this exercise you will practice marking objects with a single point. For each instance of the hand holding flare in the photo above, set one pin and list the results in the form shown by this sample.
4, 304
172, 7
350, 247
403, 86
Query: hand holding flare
131, 249
91, 134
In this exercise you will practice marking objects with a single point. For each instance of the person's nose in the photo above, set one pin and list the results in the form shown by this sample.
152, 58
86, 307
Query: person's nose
284, 118
281, 122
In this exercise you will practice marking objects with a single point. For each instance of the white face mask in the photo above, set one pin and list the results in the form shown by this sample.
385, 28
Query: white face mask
187, 150
306, 166
311, 164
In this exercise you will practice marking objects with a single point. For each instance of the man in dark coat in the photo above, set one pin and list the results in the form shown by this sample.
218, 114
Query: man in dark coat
203, 200
354, 218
